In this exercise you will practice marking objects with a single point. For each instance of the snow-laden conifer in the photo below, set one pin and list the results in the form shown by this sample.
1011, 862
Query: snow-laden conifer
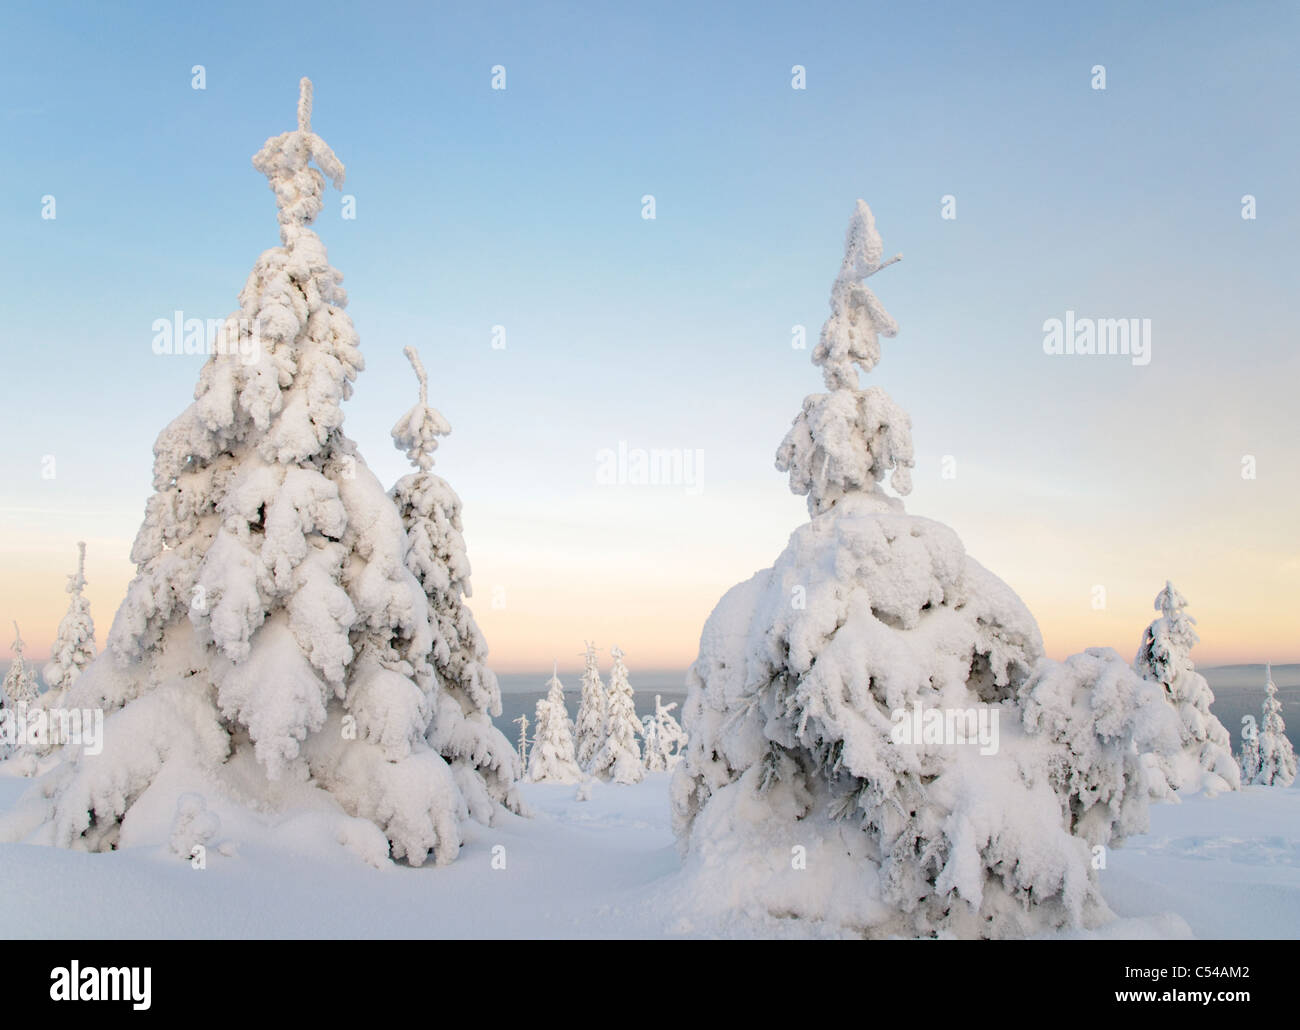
74, 644
663, 736
274, 639
808, 786
619, 757
553, 759
1276, 761
590, 727
1164, 657
486, 766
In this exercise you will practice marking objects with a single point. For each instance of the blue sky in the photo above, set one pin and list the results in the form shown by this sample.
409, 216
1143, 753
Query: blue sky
522, 208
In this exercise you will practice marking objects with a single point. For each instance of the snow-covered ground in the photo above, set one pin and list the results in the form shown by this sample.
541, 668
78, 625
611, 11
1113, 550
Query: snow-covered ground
1221, 867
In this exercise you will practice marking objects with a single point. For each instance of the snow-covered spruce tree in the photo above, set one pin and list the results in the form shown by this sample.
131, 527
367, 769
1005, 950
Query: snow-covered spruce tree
1277, 762
797, 796
590, 727
487, 768
1206, 761
664, 737
18, 694
74, 645
553, 758
619, 757
273, 640
20, 682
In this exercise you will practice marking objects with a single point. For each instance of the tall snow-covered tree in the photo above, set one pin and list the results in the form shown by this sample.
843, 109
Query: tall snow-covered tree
487, 768
1206, 762
590, 727
553, 758
273, 635
19, 683
619, 757
74, 645
1276, 763
663, 736
803, 790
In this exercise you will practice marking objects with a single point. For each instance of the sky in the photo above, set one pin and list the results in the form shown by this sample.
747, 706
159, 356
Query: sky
1084, 481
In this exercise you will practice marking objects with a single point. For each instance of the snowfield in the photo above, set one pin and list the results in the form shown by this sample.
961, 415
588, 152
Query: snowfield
1210, 867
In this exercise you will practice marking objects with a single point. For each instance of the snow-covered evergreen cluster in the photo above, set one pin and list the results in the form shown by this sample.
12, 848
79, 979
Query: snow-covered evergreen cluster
1204, 761
808, 788
603, 743
1267, 757
291, 625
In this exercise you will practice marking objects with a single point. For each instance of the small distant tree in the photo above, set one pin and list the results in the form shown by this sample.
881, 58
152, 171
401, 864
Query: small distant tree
664, 737
553, 758
1277, 761
591, 711
522, 723
19, 685
619, 758
18, 695
74, 645
1164, 657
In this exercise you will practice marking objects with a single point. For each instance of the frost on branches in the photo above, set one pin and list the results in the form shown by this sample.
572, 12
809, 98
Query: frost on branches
74, 645
553, 758
1205, 761
664, 737
804, 792
485, 765
619, 757
590, 728
1267, 757
274, 641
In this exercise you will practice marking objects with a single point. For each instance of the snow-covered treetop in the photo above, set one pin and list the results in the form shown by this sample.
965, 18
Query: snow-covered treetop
851, 336
77, 580
846, 441
554, 681
418, 430
1175, 623
1170, 602
18, 641
1165, 653
285, 161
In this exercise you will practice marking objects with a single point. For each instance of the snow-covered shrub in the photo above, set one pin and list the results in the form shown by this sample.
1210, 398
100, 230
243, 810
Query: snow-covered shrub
805, 791
619, 757
664, 737
275, 639
1164, 657
552, 758
590, 727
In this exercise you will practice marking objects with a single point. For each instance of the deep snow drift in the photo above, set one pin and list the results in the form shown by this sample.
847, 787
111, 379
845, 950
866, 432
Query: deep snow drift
1222, 867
